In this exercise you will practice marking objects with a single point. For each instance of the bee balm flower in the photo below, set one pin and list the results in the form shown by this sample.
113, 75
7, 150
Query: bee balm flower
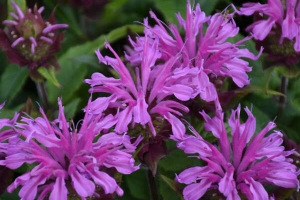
143, 98
242, 164
67, 162
205, 53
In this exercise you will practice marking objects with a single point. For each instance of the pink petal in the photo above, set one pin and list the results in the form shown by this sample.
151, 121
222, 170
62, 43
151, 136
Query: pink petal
59, 190
107, 183
196, 190
83, 186
262, 28
140, 112
178, 129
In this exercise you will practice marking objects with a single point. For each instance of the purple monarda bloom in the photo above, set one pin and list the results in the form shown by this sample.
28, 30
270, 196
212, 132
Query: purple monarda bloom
205, 50
275, 15
67, 162
242, 162
146, 97
4, 135
30, 40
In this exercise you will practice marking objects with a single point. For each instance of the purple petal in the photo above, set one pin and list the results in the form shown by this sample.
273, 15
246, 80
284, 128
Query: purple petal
59, 190
192, 174
107, 183
29, 190
262, 28
139, 111
257, 190
83, 186
178, 129
196, 190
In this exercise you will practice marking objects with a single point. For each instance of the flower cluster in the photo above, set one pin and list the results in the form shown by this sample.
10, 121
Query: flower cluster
163, 72
145, 99
242, 161
166, 66
276, 24
205, 55
66, 161
284, 16
30, 41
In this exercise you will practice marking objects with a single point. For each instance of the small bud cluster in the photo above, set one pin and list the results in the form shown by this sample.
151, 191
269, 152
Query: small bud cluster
33, 39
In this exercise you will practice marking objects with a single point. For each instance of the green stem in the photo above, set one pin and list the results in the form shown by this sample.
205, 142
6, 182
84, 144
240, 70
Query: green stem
152, 185
43, 94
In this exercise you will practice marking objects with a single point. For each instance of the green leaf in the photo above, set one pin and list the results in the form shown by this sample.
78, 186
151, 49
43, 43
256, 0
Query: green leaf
9, 113
175, 186
71, 108
73, 71
261, 111
207, 6
170, 7
89, 48
289, 72
12, 80
49, 74
137, 184
179, 160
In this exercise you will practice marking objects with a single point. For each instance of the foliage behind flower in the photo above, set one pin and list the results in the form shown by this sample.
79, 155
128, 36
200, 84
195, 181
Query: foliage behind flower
66, 161
242, 162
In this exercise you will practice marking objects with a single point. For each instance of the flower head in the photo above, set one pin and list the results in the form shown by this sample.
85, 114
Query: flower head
30, 40
205, 54
66, 161
277, 25
243, 163
145, 97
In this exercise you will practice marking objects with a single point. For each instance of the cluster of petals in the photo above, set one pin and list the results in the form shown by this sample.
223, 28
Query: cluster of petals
30, 40
146, 96
8, 124
66, 161
276, 13
243, 162
204, 52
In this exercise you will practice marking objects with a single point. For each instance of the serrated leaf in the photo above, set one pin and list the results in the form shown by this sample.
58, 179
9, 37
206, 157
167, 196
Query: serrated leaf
49, 74
72, 71
12, 80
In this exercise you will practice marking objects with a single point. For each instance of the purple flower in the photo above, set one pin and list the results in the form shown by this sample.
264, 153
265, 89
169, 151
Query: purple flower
204, 54
274, 16
6, 134
143, 98
67, 161
242, 162
30, 40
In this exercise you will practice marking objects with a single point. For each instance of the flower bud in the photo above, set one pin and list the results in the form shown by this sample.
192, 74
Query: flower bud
29, 40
